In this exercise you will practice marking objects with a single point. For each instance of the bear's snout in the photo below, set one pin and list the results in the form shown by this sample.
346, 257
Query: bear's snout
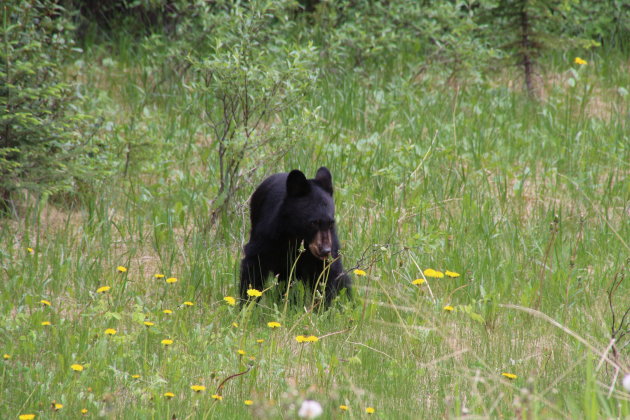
321, 245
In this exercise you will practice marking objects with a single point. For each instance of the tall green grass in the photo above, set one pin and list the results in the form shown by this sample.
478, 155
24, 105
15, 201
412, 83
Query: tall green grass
527, 201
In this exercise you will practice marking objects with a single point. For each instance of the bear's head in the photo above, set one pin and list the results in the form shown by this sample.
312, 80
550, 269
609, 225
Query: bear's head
309, 211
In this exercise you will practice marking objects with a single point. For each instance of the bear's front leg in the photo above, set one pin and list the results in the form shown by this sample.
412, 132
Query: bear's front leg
252, 275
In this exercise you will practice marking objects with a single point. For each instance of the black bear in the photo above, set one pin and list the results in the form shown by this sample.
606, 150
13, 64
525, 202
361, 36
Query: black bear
288, 212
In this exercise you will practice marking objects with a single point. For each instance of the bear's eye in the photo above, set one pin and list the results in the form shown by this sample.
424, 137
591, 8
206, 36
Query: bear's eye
315, 224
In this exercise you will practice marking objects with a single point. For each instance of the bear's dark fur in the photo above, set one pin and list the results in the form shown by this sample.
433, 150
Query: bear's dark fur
287, 211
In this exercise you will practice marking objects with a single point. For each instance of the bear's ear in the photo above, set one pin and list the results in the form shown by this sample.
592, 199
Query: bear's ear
297, 184
324, 179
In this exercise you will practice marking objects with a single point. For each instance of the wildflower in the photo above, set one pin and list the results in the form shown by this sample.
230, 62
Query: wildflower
121, 269
167, 342
44, 302
103, 289
26, 416
56, 406
343, 407
169, 395
198, 388
451, 274
580, 61
235, 324
304, 339
358, 272
418, 282
171, 280
30, 251
310, 409
188, 303
248, 402
148, 323
6, 356
300, 339
241, 352
273, 324
77, 367
509, 375
110, 331
429, 272
135, 376
230, 300
626, 382
46, 323
159, 276
370, 410
260, 341
84, 411
167, 311
254, 293
448, 308
217, 397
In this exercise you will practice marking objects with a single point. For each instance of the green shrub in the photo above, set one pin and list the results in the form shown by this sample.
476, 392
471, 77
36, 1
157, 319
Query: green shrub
41, 147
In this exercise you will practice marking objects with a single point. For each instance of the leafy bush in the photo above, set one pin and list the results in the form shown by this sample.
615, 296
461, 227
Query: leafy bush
41, 147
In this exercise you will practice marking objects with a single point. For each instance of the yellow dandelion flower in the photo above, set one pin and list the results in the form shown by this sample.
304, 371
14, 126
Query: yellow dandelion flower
217, 397
451, 274
241, 352
171, 280
159, 276
169, 395
121, 269
260, 341
56, 406
46, 323
167, 342
44, 302
248, 402
254, 293
358, 272
300, 339
189, 303
418, 282
343, 407
273, 324
77, 367
167, 311
509, 375
448, 308
30, 250
370, 410
110, 331
135, 376
235, 324
148, 323
84, 411
198, 388
26, 416
230, 300
580, 61
6, 356
103, 289
429, 272
312, 339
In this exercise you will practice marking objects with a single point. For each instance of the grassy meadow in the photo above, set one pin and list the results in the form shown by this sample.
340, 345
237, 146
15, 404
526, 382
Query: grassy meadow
528, 201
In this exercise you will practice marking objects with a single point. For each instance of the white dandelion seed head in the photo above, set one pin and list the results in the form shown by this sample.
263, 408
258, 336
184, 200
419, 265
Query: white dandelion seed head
310, 409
